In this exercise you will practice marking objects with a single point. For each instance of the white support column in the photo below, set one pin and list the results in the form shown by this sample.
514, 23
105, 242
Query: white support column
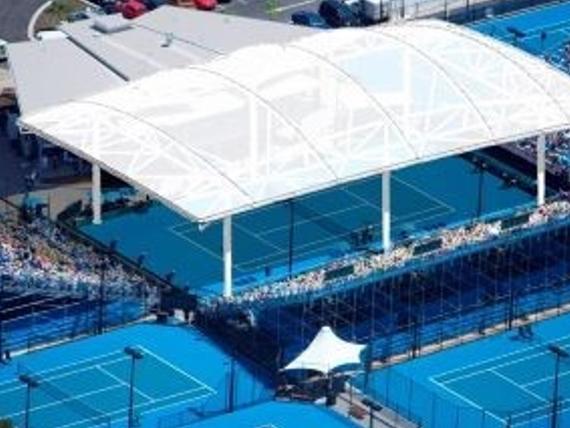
228, 263
540, 169
96, 193
386, 212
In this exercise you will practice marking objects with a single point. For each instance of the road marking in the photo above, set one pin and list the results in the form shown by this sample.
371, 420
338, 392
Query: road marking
294, 5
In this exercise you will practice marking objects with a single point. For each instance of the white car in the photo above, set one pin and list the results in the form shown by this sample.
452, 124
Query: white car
3, 50
50, 35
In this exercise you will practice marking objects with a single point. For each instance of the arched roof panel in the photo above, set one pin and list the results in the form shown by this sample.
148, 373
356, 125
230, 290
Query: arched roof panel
269, 122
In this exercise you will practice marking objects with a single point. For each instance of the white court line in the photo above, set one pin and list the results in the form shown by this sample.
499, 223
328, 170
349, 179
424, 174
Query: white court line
52, 378
500, 357
424, 193
547, 378
178, 370
153, 409
497, 366
281, 253
537, 409
67, 400
468, 401
122, 382
522, 388
76, 363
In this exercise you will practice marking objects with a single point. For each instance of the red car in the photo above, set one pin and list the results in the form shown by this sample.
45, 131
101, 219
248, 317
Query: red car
205, 4
130, 8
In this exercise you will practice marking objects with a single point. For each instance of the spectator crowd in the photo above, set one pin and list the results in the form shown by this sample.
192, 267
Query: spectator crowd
38, 256
363, 266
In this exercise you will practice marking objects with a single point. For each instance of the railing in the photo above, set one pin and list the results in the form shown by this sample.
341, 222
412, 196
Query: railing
510, 225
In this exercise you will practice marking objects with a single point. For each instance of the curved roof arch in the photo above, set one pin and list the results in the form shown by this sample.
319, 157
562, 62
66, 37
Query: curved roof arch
270, 122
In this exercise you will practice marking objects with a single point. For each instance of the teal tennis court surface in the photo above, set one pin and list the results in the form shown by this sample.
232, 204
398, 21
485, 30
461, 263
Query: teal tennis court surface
515, 388
424, 198
280, 415
86, 383
102, 382
541, 31
502, 381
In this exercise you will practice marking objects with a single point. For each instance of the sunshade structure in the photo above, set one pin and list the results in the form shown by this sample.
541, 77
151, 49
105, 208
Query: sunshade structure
326, 353
274, 121
271, 122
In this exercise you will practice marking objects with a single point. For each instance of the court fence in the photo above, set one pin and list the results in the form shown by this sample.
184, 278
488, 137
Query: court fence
427, 408
85, 412
242, 386
36, 311
457, 11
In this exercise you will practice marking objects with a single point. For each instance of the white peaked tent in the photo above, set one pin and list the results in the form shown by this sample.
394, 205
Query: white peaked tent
327, 352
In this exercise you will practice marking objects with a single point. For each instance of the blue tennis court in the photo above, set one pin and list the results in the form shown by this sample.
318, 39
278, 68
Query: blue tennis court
280, 415
502, 381
540, 31
86, 383
424, 197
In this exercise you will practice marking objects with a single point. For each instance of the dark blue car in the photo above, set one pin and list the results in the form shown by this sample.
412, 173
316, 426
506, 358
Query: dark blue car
309, 19
337, 14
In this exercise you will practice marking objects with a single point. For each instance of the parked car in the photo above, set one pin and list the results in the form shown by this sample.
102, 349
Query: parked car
153, 4
309, 19
133, 9
3, 50
205, 4
337, 14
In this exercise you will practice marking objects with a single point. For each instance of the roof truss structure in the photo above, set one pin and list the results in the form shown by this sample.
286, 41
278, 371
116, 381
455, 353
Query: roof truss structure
270, 122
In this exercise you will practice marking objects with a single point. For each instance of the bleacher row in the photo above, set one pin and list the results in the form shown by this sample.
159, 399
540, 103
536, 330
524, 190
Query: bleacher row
351, 269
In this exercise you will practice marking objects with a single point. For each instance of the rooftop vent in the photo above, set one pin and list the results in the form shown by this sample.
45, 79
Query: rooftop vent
111, 24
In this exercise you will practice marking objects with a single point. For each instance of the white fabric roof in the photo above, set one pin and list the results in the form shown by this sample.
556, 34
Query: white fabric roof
327, 352
269, 122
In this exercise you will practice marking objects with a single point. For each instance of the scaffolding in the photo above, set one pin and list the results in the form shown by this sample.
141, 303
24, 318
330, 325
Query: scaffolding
425, 305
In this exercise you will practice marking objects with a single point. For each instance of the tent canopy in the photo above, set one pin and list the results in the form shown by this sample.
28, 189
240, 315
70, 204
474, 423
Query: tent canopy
270, 122
327, 352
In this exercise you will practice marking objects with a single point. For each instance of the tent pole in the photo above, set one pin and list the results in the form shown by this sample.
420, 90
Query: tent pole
386, 212
96, 193
540, 169
227, 249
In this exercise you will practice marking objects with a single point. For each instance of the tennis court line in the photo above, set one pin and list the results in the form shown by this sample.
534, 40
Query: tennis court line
547, 378
123, 383
517, 385
500, 357
179, 370
494, 367
77, 397
469, 402
137, 407
424, 193
64, 366
49, 379
151, 401
280, 255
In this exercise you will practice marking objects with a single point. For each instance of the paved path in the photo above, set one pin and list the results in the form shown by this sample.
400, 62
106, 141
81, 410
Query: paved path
14, 18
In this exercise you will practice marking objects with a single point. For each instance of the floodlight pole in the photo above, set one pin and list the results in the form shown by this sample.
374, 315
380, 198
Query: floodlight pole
135, 354
96, 193
386, 212
559, 353
30, 383
227, 250
540, 169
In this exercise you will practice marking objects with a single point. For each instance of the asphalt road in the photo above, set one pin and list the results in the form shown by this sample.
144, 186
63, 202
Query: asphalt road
15, 16
282, 9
